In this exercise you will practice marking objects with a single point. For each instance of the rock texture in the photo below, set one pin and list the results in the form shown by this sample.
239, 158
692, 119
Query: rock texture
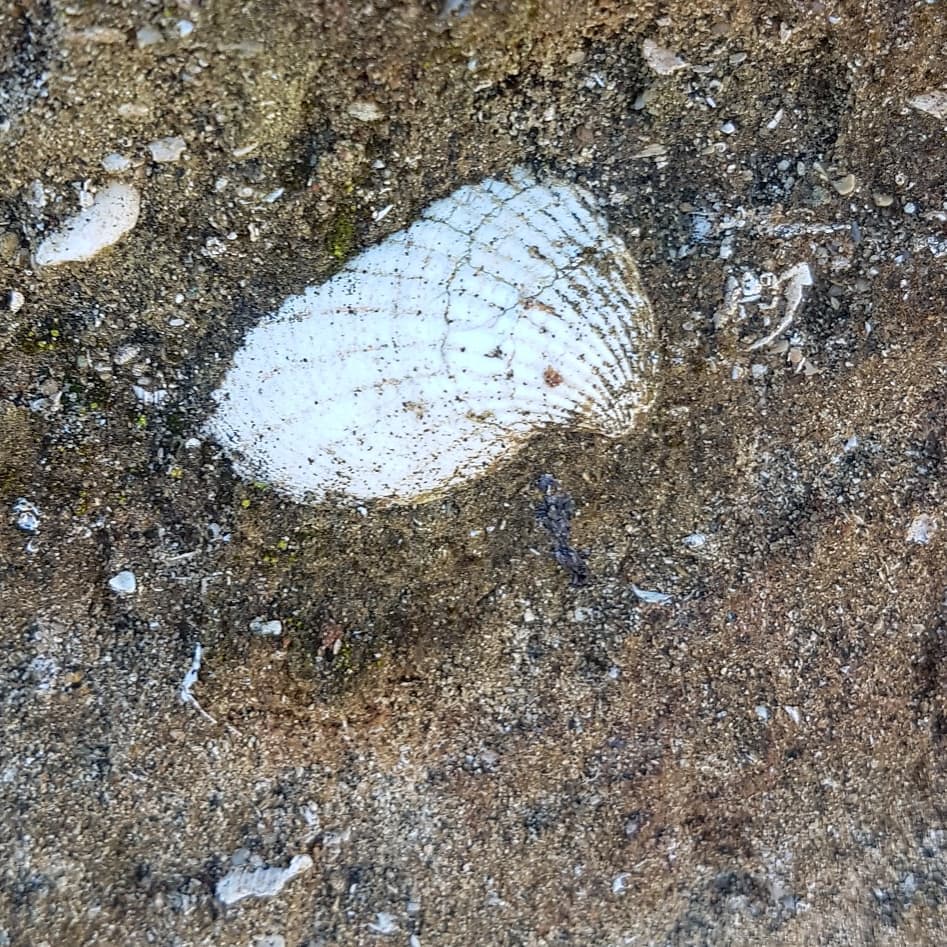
685, 688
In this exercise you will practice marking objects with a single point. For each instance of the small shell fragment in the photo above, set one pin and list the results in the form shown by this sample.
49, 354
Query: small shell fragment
845, 185
263, 882
663, 61
933, 103
365, 111
167, 150
113, 214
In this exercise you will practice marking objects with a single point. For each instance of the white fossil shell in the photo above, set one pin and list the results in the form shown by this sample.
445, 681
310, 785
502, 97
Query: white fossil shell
505, 307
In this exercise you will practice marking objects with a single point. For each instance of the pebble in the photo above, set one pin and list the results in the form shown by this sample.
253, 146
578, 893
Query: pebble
124, 583
845, 185
184, 28
81, 237
882, 200
365, 111
15, 300
661, 60
166, 150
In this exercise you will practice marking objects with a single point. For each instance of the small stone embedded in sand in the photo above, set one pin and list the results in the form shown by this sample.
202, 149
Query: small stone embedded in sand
15, 300
124, 583
661, 60
167, 150
365, 111
933, 103
113, 214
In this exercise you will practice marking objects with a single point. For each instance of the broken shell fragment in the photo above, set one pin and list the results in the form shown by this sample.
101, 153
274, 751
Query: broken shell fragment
504, 308
113, 214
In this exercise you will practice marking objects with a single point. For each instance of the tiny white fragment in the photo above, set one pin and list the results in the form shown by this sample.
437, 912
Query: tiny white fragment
933, 103
651, 151
26, 515
166, 150
663, 61
795, 280
190, 679
384, 924
148, 36
695, 540
793, 714
259, 882
115, 163
652, 598
124, 583
114, 213
921, 530
365, 111
267, 629
15, 300
151, 398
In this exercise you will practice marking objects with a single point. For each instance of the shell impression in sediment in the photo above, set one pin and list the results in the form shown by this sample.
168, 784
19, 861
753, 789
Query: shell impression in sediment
504, 308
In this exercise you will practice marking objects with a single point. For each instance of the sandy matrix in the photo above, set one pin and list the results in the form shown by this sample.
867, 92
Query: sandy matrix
684, 687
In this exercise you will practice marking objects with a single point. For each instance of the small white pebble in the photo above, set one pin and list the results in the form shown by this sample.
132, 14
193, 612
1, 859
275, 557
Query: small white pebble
728, 128
910, 208
124, 583
184, 28
15, 300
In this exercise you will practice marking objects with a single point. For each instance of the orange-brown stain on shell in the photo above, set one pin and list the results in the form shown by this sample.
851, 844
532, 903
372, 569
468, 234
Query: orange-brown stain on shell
551, 377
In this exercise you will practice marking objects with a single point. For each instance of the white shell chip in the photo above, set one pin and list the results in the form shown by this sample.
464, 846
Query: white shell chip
504, 308
114, 212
